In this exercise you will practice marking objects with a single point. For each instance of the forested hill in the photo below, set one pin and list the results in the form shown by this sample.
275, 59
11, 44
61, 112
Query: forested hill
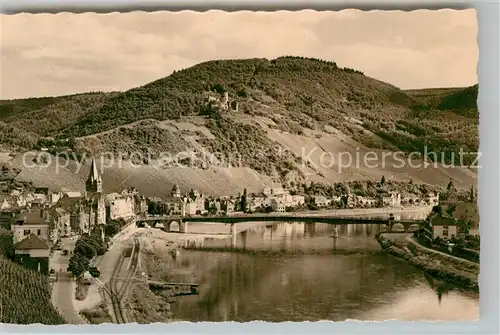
459, 100
293, 95
305, 89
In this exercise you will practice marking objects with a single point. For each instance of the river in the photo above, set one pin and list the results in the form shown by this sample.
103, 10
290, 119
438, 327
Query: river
298, 272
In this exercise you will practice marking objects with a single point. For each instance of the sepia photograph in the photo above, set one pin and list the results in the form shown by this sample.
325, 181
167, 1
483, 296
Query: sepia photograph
158, 167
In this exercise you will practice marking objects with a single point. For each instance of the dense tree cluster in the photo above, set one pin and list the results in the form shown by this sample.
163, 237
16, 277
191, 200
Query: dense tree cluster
113, 227
157, 207
248, 145
86, 248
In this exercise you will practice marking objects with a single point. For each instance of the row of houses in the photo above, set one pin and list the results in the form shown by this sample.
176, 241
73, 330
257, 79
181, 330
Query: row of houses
392, 200
19, 199
196, 203
278, 200
192, 203
37, 220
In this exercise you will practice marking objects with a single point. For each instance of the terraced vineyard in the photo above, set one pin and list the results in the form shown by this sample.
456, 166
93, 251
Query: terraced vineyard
25, 297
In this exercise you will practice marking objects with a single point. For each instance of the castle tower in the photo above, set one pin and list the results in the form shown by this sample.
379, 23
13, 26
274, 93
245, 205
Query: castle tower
176, 192
225, 101
94, 181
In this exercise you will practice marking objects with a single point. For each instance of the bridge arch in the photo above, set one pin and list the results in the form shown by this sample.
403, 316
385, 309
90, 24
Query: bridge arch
173, 226
180, 223
397, 227
413, 227
156, 224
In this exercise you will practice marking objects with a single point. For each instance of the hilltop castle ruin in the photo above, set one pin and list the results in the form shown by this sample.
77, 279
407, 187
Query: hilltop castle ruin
222, 102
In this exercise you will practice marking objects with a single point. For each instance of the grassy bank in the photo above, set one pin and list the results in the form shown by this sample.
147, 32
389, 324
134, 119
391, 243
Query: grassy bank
462, 273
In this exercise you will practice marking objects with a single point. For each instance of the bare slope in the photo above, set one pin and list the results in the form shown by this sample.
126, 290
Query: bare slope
148, 180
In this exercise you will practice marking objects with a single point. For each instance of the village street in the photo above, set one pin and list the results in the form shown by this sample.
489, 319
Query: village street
106, 264
63, 291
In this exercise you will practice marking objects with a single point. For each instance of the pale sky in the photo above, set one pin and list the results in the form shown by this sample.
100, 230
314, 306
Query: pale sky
50, 55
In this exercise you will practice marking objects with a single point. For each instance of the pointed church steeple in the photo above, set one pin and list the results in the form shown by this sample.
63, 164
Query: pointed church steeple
94, 181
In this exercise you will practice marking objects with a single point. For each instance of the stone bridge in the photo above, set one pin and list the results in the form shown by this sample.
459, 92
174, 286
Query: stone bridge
402, 226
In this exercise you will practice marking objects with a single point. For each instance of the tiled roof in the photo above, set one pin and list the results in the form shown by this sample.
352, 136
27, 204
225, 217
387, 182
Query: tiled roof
30, 243
173, 200
439, 220
32, 217
61, 211
67, 202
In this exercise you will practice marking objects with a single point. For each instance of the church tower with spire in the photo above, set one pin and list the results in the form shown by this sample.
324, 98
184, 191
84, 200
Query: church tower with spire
95, 197
94, 181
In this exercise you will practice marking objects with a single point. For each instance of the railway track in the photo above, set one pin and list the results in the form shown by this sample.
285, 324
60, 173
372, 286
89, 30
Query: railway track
117, 292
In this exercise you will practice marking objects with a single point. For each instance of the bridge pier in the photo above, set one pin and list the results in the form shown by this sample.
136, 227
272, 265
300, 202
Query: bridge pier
233, 235
389, 226
183, 227
390, 223
406, 226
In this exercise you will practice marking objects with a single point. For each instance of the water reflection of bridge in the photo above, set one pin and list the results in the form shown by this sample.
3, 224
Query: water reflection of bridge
306, 237
390, 224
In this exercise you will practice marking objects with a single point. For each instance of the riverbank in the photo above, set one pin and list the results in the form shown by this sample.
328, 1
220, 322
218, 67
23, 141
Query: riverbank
452, 269
160, 262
